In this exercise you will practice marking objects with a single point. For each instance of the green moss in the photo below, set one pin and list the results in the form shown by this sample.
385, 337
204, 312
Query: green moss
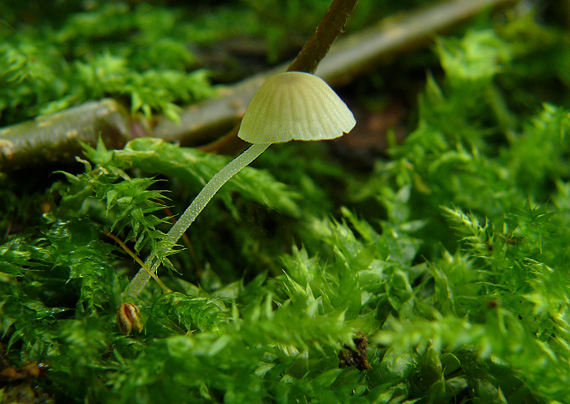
450, 255
149, 56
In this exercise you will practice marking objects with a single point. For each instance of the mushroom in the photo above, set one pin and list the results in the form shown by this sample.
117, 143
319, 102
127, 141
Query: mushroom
287, 106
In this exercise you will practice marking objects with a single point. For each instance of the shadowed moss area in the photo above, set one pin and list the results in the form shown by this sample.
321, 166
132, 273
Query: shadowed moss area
153, 56
441, 274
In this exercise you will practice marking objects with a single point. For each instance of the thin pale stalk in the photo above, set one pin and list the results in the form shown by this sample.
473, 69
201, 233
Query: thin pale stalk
216, 182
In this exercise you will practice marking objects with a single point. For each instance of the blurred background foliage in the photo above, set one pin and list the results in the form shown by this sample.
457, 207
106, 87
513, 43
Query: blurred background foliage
151, 55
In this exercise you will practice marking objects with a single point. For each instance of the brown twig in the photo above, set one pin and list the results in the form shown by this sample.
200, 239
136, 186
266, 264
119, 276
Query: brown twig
326, 33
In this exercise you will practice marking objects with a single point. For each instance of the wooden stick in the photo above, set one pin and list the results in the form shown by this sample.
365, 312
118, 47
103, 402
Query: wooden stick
56, 137
53, 137
348, 58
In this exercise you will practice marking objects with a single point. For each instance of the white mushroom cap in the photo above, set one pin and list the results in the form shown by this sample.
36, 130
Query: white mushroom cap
295, 106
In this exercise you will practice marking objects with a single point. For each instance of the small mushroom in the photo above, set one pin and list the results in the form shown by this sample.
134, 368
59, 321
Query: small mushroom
287, 106
295, 106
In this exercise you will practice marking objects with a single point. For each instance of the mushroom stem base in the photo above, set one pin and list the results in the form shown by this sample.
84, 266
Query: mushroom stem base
216, 182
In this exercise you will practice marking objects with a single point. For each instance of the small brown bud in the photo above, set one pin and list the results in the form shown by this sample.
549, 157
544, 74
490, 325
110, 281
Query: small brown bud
129, 318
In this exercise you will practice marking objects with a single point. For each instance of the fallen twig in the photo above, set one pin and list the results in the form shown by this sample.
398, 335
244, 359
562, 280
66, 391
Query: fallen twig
55, 137
347, 58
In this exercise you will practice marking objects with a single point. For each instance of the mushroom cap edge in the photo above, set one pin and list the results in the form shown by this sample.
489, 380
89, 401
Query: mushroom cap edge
295, 106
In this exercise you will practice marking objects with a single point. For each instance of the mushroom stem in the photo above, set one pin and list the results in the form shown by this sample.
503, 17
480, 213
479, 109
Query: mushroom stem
216, 182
